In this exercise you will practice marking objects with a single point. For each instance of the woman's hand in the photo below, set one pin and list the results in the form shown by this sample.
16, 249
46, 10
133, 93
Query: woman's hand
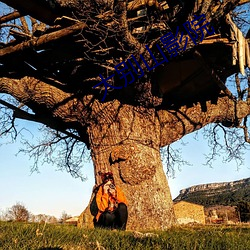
112, 191
106, 188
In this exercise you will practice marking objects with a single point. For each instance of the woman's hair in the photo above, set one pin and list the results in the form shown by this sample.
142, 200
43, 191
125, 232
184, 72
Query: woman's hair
107, 176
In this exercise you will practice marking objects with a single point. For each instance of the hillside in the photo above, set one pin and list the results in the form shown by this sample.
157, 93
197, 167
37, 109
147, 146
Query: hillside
225, 193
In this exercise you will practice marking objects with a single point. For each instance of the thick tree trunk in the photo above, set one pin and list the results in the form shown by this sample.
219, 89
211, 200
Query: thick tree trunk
140, 175
129, 147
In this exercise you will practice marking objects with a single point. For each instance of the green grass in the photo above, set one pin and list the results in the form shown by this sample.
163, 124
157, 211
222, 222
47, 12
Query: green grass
25, 236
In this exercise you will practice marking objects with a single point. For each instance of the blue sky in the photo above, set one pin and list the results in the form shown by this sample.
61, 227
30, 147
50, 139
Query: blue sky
52, 192
48, 192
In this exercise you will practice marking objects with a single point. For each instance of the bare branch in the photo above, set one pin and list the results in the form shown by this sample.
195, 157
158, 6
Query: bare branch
248, 90
7, 122
245, 128
25, 25
237, 81
65, 152
228, 144
173, 159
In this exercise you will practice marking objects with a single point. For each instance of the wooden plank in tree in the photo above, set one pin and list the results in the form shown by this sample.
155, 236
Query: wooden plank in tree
19, 35
9, 17
37, 9
44, 39
217, 40
243, 2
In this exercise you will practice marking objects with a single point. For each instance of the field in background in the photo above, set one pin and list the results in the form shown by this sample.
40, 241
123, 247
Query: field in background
20, 236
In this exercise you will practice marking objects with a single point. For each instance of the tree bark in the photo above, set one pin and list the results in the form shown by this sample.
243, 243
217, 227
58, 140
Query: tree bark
177, 123
129, 147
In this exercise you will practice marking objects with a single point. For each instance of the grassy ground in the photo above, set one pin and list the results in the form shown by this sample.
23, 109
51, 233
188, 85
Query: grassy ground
40, 236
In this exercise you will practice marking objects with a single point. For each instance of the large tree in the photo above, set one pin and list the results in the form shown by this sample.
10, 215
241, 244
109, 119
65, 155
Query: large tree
58, 51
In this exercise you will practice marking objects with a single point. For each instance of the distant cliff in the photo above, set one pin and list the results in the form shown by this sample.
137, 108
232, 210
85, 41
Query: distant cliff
225, 193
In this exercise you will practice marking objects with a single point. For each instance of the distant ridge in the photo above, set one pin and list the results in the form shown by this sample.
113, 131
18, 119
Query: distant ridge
224, 193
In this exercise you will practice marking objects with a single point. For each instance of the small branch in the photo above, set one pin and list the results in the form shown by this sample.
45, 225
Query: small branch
228, 142
25, 25
173, 159
248, 91
237, 81
8, 125
245, 130
102, 50
33, 24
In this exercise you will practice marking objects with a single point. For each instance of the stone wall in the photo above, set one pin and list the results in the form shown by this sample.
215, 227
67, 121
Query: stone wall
186, 212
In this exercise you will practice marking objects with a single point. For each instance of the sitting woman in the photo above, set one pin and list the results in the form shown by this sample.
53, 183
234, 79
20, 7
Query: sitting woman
112, 205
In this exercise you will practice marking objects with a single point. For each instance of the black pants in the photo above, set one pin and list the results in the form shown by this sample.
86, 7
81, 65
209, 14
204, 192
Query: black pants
116, 219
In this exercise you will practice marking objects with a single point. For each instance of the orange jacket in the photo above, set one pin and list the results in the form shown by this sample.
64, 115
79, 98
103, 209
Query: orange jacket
102, 200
